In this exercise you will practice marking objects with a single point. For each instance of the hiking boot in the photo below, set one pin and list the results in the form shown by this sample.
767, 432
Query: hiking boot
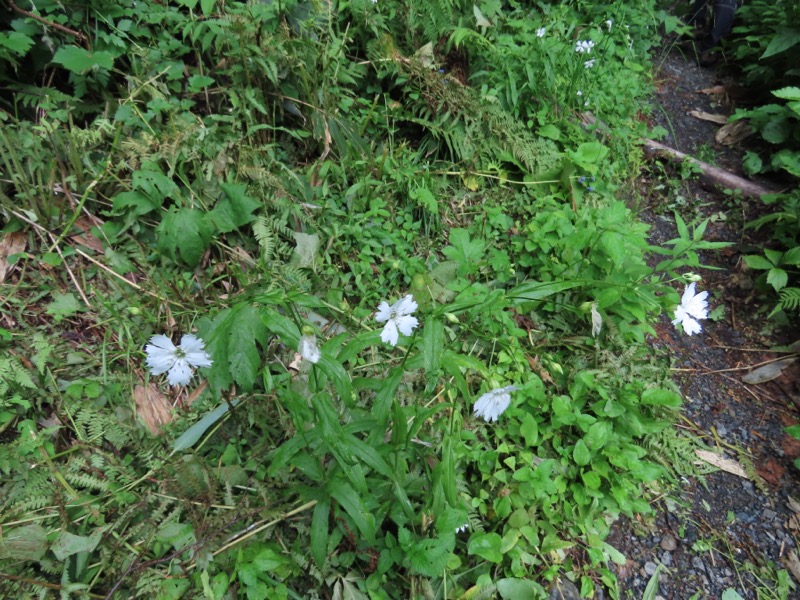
708, 58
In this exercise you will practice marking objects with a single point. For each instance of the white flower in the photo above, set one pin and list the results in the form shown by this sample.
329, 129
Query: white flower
597, 320
462, 528
493, 404
580, 93
541, 31
397, 318
584, 46
163, 356
609, 23
692, 308
589, 63
308, 347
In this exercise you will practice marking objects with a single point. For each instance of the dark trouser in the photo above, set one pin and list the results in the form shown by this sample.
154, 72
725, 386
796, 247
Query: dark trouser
723, 21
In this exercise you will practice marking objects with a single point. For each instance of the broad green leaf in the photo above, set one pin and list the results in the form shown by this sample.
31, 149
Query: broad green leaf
67, 544
613, 243
552, 542
598, 435
487, 546
793, 430
432, 347
198, 82
529, 430
207, 6
661, 397
352, 504
784, 39
581, 454
516, 589
614, 554
534, 290
23, 543
383, 401
191, 436
731, 594
306, 250
79, 60
184, 232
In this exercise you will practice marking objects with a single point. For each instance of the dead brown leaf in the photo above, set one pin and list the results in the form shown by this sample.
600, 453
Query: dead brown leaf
733, 132
153, 407
725, 464
12, 243
717, 90
793, 564
533, 361
704, 116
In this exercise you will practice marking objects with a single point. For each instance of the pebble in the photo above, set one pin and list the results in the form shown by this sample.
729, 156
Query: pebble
668, 543
650, 567
666, 558
769, 514
722, 430
697, 563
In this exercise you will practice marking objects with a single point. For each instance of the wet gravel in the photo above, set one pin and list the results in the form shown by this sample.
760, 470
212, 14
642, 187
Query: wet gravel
722, 532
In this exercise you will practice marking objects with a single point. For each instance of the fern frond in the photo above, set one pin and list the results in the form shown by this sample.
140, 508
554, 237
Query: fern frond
789, 298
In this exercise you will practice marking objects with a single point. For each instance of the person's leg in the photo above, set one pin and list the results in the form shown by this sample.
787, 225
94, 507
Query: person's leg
697, 15
723, 21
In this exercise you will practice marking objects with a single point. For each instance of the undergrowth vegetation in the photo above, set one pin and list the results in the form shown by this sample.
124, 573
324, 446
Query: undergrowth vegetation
264, 175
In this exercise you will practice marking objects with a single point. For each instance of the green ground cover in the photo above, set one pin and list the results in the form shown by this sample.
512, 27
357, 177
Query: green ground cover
264, 175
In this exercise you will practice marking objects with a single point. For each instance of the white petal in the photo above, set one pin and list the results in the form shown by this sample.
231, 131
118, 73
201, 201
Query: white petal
161, 354
494, 403
384, 312
389, 333
690, 326
308, 348
405, 306
406, 324
190, 343
597, 320
180, 373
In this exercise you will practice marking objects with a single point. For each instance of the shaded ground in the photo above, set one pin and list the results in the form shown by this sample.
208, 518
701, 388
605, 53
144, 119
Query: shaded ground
735, 532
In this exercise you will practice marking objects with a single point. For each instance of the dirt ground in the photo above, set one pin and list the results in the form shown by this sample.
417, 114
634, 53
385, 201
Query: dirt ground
731, 532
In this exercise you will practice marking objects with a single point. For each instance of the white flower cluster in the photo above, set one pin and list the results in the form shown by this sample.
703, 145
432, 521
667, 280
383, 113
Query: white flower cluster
541, 31
584, 46
588, 64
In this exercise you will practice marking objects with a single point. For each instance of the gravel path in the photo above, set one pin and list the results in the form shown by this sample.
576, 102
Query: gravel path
728, 532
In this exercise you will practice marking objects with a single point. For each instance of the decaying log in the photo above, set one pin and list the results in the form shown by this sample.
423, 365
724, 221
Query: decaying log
709, 175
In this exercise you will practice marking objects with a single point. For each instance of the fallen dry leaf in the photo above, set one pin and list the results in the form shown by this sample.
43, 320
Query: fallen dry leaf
768, 372
771, 472
153, 407
704, 116
717, 90
725, 464
533, 361
793, 564
12, 243
733, 132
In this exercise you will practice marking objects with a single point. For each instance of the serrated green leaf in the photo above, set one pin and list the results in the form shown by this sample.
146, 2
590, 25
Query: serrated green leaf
63, 305
777, 278
17, 42
754, 261
198, 82
184, 232
235, 210
79, 60
429, 557
464, 250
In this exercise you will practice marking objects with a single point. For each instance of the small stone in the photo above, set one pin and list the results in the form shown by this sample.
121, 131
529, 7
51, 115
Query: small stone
564, 589
669, 543
769, 514
650, 567
666, 558
722, 430
697, 563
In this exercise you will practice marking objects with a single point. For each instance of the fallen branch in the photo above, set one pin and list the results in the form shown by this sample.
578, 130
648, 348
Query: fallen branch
708, 173
57, 26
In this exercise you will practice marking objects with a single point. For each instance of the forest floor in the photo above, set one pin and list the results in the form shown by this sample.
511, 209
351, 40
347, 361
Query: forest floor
721, 533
